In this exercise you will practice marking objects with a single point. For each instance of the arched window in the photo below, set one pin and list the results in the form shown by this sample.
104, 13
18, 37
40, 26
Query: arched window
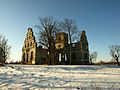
28, 44
25, 45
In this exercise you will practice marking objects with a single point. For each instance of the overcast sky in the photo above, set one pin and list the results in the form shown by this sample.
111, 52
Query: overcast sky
99, 18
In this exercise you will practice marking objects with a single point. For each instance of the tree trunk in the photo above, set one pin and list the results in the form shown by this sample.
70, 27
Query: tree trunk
70, 54
117, 61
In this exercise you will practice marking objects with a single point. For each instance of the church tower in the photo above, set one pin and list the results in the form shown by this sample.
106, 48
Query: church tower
84, 47
29, 48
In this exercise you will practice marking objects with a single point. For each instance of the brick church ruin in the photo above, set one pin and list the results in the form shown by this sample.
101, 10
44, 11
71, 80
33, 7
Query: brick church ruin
33, 54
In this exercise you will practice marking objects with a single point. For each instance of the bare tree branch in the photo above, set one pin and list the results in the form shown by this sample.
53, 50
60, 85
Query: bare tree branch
70, 27
47, 30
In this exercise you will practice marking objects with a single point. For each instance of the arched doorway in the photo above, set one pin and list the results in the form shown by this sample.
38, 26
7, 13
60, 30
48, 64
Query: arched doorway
27, 57
31, 57
23, 58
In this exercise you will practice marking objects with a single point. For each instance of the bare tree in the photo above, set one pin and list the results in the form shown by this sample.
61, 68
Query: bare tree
93, 57
115, 53
70, 27
47, 30
4, 49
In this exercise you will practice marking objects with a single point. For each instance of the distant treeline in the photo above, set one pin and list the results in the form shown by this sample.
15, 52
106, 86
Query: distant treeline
106, 63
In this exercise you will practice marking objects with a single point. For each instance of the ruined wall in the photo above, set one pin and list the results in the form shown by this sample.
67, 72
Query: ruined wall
31, 54
29, 48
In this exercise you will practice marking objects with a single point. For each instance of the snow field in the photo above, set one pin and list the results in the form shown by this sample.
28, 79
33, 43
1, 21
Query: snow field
60, 77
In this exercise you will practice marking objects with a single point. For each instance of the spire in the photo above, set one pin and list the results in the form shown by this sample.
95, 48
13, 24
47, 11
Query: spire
30, 38
30, 31
83, 37
83, 41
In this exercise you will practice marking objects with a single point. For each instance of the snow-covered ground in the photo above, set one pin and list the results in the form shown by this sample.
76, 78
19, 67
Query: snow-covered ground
59, 77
